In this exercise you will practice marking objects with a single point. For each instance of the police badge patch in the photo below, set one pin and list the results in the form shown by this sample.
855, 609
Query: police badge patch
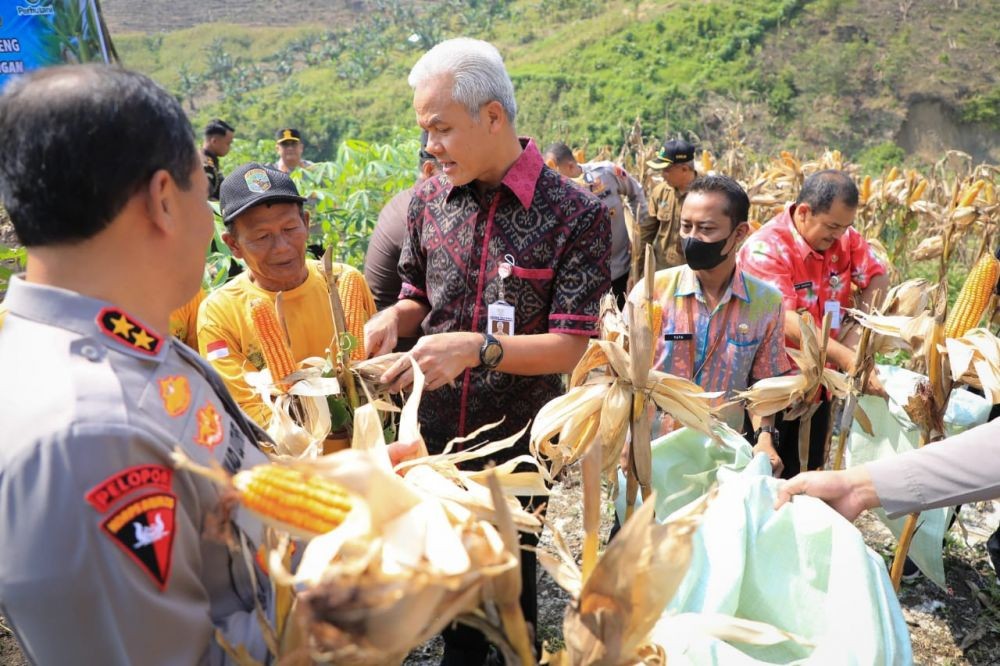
257, 181
144, 530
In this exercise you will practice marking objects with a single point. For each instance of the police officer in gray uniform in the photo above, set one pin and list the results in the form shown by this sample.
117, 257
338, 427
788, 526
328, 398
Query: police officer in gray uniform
108, 554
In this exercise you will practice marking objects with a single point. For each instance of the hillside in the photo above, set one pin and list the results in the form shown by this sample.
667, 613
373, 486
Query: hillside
872, 77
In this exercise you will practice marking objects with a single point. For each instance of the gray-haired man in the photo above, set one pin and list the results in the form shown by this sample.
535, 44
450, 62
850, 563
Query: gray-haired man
499, 244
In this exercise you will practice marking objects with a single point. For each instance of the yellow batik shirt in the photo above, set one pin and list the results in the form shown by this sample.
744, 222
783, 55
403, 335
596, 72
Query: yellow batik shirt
227, 339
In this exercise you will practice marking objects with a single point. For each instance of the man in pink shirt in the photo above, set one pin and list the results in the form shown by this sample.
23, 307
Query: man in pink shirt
813, 256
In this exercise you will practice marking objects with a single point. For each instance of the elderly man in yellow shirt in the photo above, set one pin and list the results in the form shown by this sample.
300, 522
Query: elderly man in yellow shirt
267, 228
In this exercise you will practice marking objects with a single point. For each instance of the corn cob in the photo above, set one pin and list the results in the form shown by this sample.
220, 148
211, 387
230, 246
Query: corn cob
358, 303
866, 190
656, 319
303, 505
277, 355
973, 298
970, 194
707, 163
918, 192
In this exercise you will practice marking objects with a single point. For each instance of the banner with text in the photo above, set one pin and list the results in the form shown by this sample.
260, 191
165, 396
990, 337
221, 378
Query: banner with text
41, 33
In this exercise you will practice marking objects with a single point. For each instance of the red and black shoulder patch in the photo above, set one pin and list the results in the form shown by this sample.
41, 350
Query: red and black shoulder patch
128, 331
144, 530
129, 480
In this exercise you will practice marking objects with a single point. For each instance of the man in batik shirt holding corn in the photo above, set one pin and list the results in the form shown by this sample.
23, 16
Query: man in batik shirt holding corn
267, 228
721, 328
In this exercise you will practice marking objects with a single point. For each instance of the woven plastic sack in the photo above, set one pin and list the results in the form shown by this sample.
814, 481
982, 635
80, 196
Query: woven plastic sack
803, 569
895, 433
685, 465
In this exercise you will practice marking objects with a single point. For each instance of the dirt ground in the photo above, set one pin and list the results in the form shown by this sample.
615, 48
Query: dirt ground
947, 628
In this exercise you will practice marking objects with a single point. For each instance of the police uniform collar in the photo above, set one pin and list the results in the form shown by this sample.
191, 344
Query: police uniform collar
87, 316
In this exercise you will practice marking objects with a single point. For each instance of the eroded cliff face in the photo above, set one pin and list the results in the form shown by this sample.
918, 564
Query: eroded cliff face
932, 126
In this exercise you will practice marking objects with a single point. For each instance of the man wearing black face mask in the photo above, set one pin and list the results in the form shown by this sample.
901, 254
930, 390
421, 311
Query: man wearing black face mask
722, 329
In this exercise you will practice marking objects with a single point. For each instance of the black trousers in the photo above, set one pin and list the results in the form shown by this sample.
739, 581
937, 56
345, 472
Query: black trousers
618, 288
466, 646
788, 441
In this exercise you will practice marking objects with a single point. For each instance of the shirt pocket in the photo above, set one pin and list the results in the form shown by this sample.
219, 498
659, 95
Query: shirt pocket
741, 349
531, 290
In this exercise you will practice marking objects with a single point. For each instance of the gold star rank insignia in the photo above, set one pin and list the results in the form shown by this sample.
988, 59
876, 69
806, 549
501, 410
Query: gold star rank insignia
142, 339
122, 326
117, 325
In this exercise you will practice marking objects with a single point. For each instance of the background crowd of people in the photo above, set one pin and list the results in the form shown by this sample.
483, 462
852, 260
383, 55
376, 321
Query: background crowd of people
490, 270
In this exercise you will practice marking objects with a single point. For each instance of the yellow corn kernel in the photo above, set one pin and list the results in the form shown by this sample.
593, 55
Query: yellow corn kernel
273, 346
289, 499
359, 305
973, 298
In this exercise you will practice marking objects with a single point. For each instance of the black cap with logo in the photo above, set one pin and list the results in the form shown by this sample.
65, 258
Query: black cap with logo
288, 134
253, 184
674, 151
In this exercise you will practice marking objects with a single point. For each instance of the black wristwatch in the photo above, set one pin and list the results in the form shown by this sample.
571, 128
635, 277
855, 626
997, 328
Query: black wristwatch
770, 429
491, 353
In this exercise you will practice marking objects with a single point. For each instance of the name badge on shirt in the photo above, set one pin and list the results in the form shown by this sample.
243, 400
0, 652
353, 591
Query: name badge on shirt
833, 309
500, 318
804, 285
675, 337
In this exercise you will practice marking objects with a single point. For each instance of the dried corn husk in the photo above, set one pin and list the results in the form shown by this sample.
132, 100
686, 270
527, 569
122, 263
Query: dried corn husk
796, 393
603, 404
909, 298
975, 359
615, 609
371, 370
611, 386
929, 248
898, 331
300, 416
413, 553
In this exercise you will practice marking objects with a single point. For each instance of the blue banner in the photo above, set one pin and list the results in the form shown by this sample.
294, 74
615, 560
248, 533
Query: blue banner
41, 33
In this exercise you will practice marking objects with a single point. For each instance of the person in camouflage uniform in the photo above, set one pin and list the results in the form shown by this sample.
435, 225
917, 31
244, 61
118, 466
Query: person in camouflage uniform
662, 220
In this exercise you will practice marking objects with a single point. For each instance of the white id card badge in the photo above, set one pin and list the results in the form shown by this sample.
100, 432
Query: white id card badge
500, 318
833, 309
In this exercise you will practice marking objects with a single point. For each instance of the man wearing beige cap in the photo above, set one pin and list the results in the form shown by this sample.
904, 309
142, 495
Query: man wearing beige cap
660, 226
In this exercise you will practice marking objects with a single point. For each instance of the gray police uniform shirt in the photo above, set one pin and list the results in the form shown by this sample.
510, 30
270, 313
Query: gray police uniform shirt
961, 469
614, 187
108, 554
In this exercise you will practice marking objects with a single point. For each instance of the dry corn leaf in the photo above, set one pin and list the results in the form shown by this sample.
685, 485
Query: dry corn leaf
796, 393
300, 416
908, 298
610, 621
974, 359
898, 332
928, 248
